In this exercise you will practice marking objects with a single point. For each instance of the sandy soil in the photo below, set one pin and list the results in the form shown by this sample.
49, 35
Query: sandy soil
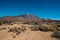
27, 35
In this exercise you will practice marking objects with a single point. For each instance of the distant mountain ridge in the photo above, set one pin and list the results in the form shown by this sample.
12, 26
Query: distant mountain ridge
25, 18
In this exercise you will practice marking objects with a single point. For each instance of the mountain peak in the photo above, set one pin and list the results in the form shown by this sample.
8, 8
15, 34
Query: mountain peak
27, 14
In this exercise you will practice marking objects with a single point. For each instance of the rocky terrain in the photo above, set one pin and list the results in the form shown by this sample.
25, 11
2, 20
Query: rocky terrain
29, 27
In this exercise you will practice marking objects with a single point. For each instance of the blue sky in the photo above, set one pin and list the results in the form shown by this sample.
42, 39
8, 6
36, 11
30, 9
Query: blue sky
41, 8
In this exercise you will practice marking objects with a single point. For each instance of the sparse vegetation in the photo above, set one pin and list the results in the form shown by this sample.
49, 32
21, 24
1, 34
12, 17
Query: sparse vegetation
25, 22
16, 29
43, 28
5, 22
2, 28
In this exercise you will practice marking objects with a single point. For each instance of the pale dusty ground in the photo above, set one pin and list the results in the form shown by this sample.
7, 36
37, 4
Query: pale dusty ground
27, 35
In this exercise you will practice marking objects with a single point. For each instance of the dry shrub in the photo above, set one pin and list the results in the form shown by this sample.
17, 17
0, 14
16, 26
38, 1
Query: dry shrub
51, 28
14, 36
58, 25
48, 28
0, 23
43, 28
39, 28
58, 28
56, 34
6, 22
35, 28
23, 28
25, 22
12, 29
2, 28
16, 29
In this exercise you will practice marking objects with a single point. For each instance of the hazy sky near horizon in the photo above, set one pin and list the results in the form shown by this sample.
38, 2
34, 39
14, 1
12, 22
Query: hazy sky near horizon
41, 8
